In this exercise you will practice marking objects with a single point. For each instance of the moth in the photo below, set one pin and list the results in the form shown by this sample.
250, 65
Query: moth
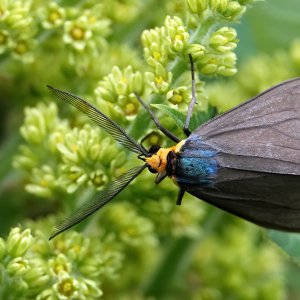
245, 161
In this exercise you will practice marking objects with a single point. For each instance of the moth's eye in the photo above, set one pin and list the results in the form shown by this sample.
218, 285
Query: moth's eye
171, 162
153, 149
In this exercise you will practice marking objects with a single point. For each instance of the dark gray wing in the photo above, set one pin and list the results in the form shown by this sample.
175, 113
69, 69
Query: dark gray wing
267, 199
262, 134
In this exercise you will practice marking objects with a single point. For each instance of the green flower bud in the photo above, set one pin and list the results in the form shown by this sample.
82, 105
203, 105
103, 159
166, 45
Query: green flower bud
197, 6
18, 242
47, 295
226, 71
155, 49
227, 64
209, 69
37, 276
92, 267
70, 150
17, 13
43, 182
90, 288
26, 160
218, 5
119, 86
17, 266
38, 122
223, 40
196, 50
234, 10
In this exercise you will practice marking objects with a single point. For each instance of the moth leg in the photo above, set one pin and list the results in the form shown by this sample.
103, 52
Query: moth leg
193, 100
180, 196
142, 141
164, 130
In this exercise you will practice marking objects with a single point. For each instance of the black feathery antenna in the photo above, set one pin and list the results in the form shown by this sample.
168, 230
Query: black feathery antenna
101, 119
89, 207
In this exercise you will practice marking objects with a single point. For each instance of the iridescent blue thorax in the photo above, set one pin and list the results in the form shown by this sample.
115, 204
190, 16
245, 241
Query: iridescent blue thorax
195, 163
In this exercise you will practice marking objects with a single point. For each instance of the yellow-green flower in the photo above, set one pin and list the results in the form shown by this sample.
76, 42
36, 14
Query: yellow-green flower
53, 16
87, 31
179, 96
160, 80
77, 33
22, 49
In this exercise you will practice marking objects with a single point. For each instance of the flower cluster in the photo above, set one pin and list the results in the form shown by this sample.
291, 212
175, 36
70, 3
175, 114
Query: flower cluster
41, 130
17, 29
247, 271
160, 45
24, 25
33, 268
88, 158
24, 275
269, 70
228, 9
86, 30
57, 157
119, 88
211, 46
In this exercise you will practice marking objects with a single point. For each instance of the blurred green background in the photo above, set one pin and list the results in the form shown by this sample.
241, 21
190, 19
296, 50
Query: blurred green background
141, 246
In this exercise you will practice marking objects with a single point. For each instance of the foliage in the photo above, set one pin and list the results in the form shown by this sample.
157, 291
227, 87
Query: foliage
141, 246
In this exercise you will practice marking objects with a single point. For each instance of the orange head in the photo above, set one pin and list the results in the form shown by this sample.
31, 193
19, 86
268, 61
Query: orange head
157, 162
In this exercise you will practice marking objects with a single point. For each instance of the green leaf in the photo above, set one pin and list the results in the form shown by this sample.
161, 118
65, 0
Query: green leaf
288, 242
175, 114
179, 117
